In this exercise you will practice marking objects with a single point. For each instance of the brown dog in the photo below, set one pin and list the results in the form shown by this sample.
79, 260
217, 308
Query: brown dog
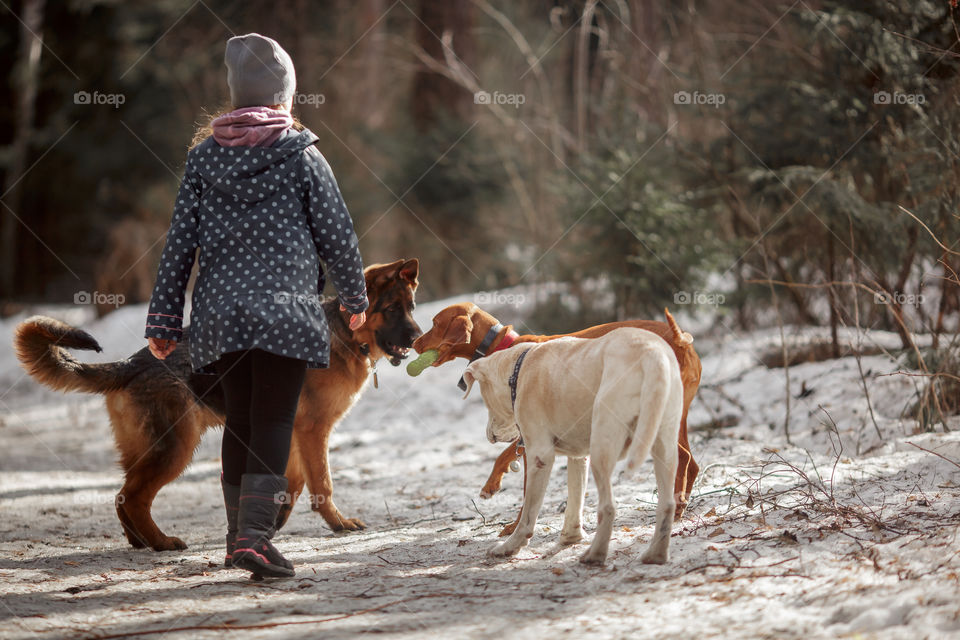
460, 329
160, 409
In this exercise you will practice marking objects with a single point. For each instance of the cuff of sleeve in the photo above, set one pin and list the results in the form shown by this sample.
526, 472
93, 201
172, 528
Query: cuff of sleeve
355, 304
164, 326
164, 333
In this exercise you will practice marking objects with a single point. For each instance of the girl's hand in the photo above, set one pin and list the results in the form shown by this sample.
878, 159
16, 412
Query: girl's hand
357, 319
161, 348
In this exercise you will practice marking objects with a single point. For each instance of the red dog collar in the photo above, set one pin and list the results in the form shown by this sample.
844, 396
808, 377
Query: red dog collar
508, 340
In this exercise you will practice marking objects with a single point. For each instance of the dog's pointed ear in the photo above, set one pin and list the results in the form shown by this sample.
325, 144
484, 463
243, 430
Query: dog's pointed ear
409, 271
469, 377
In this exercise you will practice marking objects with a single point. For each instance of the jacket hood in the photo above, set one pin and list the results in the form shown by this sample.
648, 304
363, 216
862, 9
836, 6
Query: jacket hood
251, 174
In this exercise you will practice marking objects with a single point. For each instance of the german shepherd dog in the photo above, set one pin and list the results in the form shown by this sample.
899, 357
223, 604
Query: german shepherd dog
159, 409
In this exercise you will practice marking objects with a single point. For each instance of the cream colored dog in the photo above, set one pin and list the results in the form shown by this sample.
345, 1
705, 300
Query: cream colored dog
612, 397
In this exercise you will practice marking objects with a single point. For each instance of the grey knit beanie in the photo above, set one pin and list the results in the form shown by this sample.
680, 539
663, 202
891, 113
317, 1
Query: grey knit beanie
259, 71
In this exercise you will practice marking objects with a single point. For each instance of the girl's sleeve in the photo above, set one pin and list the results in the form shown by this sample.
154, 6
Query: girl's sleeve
165, 315
332, 231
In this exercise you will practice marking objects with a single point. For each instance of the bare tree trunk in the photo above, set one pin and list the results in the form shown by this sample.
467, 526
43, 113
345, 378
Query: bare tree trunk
582, 58
434, 93
646, 68
896, 304
24, 82
948, 298
832, 293
371, 89
444, 33
794, 293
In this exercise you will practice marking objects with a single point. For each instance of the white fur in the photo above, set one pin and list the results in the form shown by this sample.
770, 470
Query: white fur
611, 397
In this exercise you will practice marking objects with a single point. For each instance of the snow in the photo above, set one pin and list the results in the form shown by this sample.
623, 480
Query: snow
840, 532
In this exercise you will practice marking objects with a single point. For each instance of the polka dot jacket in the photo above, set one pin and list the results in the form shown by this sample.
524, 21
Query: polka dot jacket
263, 218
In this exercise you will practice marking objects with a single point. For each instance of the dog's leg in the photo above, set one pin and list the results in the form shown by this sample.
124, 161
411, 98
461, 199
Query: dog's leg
500, 469
540, 460
602, 460
134, 502
576, 485
687, 468
510, 528
149, 466
665, 468
313, 443
295, 480
608, 437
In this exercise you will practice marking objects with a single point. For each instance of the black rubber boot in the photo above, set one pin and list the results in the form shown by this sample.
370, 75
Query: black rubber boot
231, 500
261, 496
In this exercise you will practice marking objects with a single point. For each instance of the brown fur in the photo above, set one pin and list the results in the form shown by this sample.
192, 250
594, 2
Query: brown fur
460, 328
160, 409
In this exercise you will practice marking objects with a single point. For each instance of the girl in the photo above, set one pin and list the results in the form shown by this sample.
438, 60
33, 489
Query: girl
262, 205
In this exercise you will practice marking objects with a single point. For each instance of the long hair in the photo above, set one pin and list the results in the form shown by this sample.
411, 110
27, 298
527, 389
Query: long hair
205, 127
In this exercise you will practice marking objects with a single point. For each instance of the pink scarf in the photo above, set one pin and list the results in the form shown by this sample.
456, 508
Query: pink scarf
251, 127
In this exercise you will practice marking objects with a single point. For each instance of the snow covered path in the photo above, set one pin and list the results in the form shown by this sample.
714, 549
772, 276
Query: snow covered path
779, 541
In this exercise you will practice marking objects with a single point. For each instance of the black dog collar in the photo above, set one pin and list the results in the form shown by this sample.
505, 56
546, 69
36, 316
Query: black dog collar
487, 341
482, 350
515, 378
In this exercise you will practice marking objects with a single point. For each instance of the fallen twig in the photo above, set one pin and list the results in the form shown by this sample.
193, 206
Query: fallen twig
478, 510
916, 374
953, 462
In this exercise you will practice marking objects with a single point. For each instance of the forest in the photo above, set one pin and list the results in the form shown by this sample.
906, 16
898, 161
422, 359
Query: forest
800, 156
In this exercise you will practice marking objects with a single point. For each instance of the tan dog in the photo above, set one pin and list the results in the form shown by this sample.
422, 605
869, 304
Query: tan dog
460, 329
613, 397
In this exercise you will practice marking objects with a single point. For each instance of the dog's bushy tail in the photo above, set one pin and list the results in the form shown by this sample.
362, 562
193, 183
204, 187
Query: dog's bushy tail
652, 409
680, 337
39, 342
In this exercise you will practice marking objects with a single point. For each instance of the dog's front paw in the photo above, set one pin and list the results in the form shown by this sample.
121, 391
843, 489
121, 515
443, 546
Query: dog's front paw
593, 557
169, 543
681, 507
348, 524
572, 536
502, 550
334, 519
654, 557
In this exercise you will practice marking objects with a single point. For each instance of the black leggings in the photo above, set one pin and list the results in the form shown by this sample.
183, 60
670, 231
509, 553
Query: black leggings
261, 390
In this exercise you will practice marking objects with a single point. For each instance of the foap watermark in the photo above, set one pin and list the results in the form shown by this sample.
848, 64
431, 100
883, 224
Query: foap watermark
285, 497
96, 98
306, 99
699, 298
510, 99
99, 298
498, 298
885, 97
98, 497
709, 99
288, 297
899, 298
